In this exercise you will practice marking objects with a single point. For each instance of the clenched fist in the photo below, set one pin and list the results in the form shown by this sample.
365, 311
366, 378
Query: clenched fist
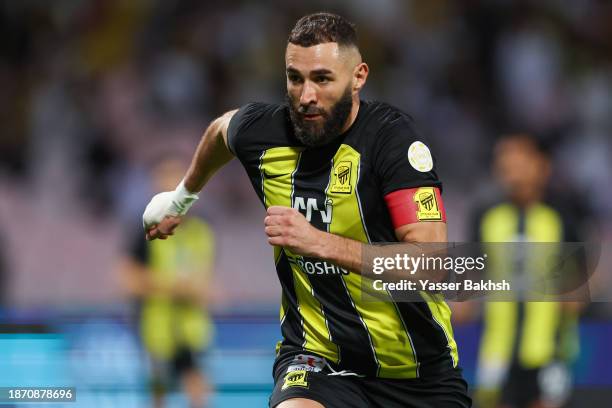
288, 228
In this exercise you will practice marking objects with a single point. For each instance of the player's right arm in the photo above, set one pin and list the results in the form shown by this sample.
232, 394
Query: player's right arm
212, 154
163, 213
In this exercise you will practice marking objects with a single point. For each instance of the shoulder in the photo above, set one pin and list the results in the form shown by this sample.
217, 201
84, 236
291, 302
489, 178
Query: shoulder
486, 208
389, 127
391, 131
254, 111
572, 213
382, 126
399, 154
384, 117
487, 212
252, 117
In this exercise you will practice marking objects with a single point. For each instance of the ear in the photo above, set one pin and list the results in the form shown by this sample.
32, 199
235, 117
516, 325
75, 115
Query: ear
360, 75
546, 170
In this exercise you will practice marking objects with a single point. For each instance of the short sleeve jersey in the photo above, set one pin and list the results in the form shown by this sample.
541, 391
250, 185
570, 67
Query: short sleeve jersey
340, 188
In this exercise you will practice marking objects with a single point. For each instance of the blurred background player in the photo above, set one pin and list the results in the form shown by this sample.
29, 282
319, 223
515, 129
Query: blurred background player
168, 280
526, 347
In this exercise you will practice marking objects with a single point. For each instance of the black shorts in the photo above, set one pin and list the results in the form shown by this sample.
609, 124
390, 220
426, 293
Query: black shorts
165, 374
447, 390
550, 384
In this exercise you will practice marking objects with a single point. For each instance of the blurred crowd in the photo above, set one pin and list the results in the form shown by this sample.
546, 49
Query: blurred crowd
96, 91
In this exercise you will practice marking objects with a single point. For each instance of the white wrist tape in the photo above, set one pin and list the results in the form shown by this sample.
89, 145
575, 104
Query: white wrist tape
174, 203
182, 200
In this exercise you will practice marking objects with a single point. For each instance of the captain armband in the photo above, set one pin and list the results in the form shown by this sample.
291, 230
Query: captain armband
412, 205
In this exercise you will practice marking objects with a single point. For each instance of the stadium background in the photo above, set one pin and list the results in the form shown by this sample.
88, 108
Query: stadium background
92, 92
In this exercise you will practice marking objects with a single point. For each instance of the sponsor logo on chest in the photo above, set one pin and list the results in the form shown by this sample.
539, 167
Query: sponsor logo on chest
310, 207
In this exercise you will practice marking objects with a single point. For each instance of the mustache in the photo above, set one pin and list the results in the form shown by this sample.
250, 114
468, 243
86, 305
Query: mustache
310, 110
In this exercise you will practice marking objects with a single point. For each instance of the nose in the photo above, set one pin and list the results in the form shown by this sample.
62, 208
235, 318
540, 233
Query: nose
309, 94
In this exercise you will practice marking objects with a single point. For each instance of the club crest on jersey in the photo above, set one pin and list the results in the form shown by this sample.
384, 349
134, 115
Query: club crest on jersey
297, 378
427, 204
342, 178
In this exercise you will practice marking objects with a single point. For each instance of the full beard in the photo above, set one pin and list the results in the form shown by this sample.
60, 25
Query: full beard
314, 134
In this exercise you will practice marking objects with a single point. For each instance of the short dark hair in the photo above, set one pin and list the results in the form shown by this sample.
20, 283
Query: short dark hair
529, 140
319, 28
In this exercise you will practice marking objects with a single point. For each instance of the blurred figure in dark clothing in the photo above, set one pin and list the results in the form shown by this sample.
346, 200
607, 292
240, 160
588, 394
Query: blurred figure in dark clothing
170, 283
526, 347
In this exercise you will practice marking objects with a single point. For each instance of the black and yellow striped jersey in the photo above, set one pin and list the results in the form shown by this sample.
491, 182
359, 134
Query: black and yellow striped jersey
531, 334
167, 324
340, 188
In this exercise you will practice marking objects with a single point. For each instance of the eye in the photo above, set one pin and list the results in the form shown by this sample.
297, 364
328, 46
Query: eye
322, 79
294, 78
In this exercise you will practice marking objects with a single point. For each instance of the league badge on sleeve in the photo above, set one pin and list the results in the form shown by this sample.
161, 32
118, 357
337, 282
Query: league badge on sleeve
419, 157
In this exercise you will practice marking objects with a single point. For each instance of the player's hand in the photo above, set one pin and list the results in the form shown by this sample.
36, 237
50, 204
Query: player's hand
288, 228
164, 211
164, 229
162, 215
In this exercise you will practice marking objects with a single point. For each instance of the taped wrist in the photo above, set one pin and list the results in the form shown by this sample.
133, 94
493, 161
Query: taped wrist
182, 200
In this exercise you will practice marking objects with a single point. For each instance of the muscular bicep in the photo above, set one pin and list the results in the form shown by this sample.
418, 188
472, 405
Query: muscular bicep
211, 154
224, 122
422, 232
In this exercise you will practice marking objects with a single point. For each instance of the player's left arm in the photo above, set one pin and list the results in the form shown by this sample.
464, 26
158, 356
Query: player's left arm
422, 232
288, 228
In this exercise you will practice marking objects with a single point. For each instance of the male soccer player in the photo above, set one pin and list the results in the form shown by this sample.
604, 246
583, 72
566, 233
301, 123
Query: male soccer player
336, 174
526, 347
169, 283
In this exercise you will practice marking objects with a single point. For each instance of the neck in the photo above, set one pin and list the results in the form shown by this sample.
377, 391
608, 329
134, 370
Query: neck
354, 111
526, 200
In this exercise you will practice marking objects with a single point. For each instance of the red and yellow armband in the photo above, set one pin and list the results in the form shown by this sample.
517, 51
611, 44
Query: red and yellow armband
412, 205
